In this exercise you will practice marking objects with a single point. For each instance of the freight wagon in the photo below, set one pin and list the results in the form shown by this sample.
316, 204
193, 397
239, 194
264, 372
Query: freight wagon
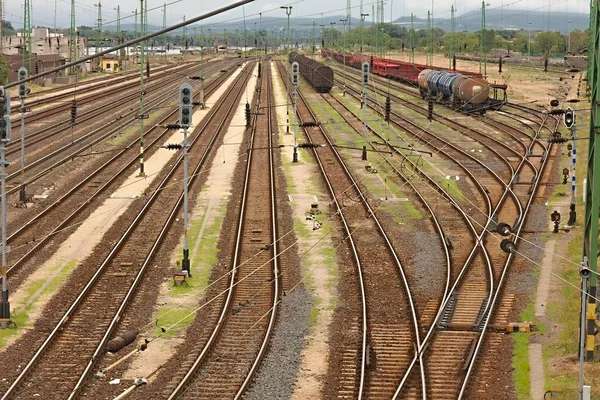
462, 90
320, 76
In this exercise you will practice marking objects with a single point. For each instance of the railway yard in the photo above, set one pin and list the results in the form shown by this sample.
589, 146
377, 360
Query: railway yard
339, 249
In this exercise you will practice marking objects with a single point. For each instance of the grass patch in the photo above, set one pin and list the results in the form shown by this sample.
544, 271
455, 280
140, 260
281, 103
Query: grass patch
36, 291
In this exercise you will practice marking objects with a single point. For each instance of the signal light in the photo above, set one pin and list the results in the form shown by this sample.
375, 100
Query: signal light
185, 104
569, 117
23, 74
430, 109
365, 73
73, 111
247, 114
295, 69
5, 117
388, 108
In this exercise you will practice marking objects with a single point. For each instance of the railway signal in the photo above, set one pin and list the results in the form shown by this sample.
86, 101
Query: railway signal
23, 91
4, 117
365, 73
569, 117
185, 104
295, 70
388, 108
247, 113
73, 111
185, 120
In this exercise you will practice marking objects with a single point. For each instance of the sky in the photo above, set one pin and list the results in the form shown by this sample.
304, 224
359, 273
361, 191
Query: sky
43, 11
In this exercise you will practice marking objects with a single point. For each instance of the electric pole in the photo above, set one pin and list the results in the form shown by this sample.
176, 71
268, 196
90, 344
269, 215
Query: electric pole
73, 39
4, 139
142, 86
27, 49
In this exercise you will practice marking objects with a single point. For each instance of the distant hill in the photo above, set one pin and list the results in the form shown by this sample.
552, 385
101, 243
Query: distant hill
508, 19
495, 19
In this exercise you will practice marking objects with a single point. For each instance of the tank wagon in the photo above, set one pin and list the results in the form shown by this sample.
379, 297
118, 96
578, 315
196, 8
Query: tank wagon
319, 76
462, 90
463, 93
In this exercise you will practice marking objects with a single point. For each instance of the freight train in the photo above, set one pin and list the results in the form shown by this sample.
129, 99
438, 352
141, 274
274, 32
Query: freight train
320, 76
462, 90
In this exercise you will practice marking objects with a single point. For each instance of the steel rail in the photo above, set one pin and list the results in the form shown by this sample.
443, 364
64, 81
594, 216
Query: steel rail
275, 233
58, 328
179, 389
159, 100
503, 275
172, 216
380, 228
213, 85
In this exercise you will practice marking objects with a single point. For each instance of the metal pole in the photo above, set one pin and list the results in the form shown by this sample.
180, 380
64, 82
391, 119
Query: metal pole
344, 56
584, 273
4, 305
573, 212
22, 194
142, 90
202, 68
186, 251
295, 158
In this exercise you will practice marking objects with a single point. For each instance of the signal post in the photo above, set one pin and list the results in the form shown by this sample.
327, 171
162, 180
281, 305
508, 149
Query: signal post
23, 92
185, 120
5, 128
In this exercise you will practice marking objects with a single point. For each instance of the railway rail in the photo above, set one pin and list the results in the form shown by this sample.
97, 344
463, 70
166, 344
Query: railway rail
69, 209
387, 323
62, 151
98, 308
484, 317
250, 300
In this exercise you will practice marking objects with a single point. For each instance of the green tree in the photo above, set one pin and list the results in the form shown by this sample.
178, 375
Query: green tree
4, 71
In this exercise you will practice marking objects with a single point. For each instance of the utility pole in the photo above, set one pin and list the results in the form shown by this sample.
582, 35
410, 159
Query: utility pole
411, 35
142, 88
349, 12
202, 67
331, 24
482, 42
592, 187
362, 33
119, 38
164, 27
99, 32
453, 41
344, 53
27, 54
313, 39
73, 40
288, 11
429, 60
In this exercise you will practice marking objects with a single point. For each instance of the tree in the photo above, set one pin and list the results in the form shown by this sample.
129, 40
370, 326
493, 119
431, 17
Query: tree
4, 71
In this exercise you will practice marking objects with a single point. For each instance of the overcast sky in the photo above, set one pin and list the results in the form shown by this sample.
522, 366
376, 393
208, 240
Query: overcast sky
43, 11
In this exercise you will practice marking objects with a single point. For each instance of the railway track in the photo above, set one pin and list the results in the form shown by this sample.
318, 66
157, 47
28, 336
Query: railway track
64, 214
458, 340
62, 363
64, 150
86, 95
383, 324
224, 361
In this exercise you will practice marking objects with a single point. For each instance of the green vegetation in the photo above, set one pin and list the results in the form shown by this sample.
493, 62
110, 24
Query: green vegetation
36, 290
4, 71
